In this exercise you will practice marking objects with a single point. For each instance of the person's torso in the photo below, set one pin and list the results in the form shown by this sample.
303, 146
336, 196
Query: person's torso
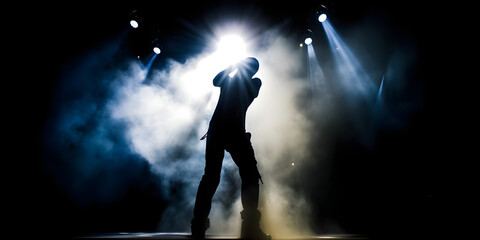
235, 98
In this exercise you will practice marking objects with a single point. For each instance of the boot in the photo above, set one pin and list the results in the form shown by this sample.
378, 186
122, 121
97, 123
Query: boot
199, 226
251, 226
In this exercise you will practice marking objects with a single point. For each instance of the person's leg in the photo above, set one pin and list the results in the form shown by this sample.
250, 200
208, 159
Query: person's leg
208, 185
243, 155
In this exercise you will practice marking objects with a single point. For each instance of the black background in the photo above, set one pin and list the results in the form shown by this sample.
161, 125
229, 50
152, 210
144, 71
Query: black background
54, 34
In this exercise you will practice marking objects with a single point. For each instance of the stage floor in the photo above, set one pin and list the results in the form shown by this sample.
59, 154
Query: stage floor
186, 236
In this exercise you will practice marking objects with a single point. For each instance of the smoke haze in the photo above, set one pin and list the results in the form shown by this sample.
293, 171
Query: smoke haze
118, 124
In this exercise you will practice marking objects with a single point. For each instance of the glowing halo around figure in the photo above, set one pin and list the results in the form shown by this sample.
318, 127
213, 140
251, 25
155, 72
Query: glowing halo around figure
227, 48
231, 49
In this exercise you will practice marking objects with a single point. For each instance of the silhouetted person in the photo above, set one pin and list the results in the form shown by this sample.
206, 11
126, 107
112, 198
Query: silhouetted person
227, 132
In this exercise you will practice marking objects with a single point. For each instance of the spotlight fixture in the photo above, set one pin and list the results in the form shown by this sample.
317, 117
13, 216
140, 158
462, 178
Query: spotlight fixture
134, 23
323, 10
135, 19
156, 46
322, 17
308, 41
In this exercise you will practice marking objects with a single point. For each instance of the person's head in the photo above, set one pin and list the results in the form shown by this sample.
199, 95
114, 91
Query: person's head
249, 66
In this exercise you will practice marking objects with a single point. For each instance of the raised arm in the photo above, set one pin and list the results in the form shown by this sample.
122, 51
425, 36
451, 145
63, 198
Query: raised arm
221, 76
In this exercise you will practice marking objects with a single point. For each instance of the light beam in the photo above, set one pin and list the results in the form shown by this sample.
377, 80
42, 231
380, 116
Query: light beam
356, 86
316, 78
353, 76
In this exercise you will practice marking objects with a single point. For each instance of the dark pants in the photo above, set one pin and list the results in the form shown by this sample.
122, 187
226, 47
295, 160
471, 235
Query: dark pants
240, 148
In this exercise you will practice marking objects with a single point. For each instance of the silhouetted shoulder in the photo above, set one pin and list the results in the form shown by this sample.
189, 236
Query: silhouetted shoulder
255, 87
257, 82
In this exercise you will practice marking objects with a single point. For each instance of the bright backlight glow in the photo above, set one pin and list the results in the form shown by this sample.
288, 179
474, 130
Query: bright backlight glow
231, 49
233, 73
